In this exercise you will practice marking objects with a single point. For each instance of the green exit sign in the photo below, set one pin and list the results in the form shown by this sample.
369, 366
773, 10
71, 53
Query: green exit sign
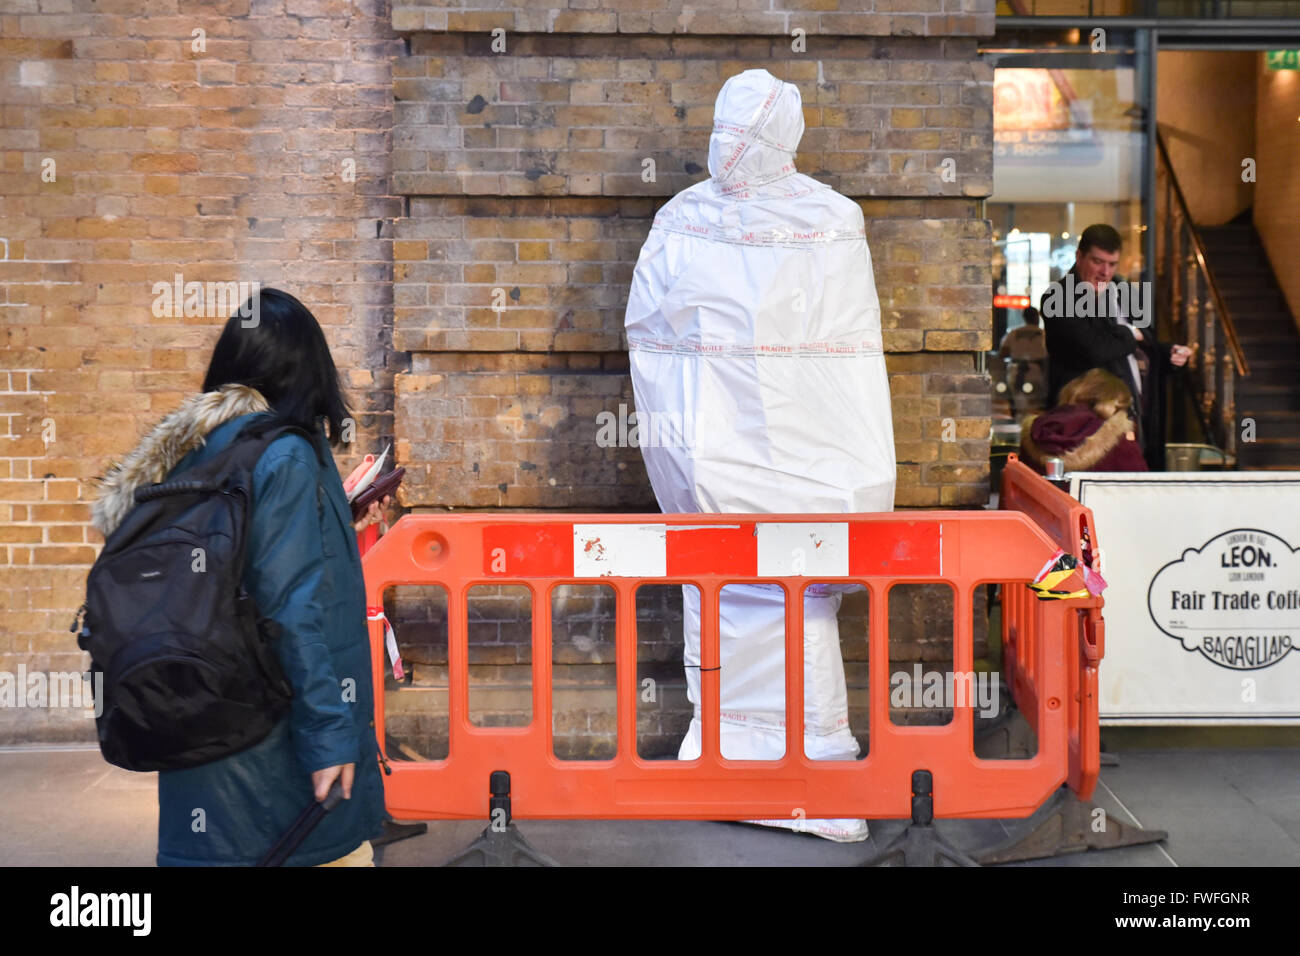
1283, 59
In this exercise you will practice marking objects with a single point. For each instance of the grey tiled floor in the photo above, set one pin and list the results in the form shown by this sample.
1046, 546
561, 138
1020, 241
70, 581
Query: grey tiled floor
1221, 806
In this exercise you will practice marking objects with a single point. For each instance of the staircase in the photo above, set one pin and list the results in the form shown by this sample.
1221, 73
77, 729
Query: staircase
1270, 394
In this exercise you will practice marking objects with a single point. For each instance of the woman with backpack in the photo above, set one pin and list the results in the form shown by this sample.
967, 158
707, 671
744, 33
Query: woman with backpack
302, 568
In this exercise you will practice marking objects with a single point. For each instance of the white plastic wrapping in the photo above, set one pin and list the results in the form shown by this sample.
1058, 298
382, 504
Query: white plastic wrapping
754, 337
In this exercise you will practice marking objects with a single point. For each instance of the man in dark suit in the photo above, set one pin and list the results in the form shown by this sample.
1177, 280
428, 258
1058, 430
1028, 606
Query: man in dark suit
1104, 337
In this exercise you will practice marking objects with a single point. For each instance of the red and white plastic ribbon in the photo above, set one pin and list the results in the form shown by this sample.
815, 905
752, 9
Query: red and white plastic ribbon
390, 640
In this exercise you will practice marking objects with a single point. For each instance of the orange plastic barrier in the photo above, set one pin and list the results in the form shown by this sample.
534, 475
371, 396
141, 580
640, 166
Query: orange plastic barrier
1052, 651
1068, 523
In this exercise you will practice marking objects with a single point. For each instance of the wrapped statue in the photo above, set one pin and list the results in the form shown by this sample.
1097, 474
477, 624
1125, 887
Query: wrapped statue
754, 338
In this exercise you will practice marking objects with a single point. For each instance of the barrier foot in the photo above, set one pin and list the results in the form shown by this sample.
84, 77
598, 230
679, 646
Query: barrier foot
506, 847
1063, 825
394, 832
501, 844
920, 844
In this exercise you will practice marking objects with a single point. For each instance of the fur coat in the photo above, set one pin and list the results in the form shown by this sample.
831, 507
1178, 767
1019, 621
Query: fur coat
176, 435
1082, 438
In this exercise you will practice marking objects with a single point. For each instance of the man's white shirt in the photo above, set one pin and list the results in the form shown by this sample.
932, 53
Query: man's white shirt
1122, 319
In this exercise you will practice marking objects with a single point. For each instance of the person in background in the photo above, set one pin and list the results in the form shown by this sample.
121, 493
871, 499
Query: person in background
1025, 343
1089, 429
1076, 344
1026, 347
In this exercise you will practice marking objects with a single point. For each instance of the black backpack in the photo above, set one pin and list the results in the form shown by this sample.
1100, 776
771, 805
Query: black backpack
189, 671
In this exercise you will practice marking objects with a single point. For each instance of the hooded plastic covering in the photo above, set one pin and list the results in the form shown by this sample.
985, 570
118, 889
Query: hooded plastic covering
754, 337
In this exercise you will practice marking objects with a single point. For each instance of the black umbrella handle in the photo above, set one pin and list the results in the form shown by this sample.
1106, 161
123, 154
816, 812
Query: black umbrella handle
292, 838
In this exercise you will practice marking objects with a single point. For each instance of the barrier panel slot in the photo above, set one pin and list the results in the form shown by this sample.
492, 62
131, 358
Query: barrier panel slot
415, 708
1001, 730
922, 687
848, 606
662, 708
583, 698
500, 625
752, 621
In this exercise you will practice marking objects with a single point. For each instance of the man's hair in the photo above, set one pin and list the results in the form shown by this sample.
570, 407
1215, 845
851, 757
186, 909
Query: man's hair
1030, 315
1101, 391
1104, 237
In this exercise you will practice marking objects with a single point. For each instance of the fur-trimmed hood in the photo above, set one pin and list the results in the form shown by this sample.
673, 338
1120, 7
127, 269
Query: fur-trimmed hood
1061, 433
175, 435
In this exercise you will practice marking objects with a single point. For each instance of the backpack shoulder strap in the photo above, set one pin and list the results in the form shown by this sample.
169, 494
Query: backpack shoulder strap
251, 444
247, 448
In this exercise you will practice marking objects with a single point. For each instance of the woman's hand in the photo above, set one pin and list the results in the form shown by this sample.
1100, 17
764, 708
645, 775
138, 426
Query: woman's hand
322, 779
374, 513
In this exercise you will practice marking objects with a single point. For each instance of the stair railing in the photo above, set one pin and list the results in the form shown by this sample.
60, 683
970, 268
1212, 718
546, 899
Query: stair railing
1200, 314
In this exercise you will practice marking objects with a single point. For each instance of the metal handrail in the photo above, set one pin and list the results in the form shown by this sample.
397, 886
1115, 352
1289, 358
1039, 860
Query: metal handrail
1198, 248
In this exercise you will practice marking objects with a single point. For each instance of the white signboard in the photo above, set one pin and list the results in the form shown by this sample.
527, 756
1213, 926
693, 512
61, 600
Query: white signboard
1203, 604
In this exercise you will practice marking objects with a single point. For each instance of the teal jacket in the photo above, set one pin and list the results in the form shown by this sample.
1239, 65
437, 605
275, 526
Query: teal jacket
303, 569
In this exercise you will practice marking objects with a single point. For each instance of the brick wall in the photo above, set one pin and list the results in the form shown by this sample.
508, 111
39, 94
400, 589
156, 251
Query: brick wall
523, 170
130, 156
723, 17
532, 170
464, 223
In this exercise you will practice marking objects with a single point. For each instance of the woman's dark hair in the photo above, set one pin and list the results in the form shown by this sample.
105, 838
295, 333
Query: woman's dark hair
275, 345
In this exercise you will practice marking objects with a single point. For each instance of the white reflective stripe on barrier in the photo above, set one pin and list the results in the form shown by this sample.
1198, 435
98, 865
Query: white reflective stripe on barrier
820, 549
812, 549
622, 550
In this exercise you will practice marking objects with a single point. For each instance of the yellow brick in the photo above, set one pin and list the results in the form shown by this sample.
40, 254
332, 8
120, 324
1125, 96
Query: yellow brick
410, 249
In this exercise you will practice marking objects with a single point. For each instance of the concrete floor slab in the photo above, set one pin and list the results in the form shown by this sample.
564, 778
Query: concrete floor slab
66, 806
